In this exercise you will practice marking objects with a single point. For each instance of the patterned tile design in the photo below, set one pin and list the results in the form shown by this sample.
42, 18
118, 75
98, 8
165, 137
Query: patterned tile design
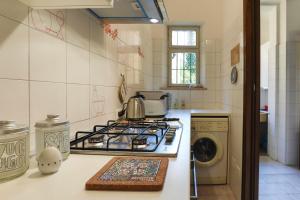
132, 170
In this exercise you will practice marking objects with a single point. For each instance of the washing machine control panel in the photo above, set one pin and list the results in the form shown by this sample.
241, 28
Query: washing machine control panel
210, 126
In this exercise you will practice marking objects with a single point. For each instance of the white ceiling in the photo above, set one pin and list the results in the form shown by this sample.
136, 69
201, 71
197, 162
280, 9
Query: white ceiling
206, 13
188, 11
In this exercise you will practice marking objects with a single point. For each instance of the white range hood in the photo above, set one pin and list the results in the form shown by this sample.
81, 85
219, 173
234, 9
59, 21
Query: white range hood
68, 4
133, 11
111, 11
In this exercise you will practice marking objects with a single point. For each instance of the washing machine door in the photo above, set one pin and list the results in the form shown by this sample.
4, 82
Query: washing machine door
208, 149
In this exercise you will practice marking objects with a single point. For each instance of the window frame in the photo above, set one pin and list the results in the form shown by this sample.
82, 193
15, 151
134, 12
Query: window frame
183, 49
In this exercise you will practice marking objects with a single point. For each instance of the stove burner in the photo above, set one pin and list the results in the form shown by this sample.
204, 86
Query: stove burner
140, 143
117, 136
115, 130
96, 139
152, 130
170, 135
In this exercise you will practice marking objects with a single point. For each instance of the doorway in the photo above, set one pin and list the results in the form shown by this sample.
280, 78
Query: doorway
279, 118
273, 175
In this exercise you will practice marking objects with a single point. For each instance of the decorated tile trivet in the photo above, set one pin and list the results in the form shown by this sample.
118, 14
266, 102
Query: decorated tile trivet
130, 173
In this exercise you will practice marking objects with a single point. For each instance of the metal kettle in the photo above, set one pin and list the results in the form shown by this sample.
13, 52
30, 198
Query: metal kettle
134, 108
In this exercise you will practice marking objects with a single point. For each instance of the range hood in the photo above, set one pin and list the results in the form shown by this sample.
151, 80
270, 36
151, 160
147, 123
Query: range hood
132, 11
68, 4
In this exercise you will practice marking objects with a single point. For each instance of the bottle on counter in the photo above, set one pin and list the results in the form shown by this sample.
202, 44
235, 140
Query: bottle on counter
176, 104
53, 132
14, 150
183, 104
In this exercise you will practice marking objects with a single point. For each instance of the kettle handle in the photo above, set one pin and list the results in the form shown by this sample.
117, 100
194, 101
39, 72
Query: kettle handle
164, 96
138, 96
122, 112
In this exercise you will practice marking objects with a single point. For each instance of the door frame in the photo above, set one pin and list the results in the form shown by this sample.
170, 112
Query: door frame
250, 171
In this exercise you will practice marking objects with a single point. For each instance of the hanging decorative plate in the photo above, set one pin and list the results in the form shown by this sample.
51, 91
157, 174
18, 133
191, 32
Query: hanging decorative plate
234, 75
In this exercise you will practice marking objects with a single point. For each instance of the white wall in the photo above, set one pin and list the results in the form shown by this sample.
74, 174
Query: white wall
269, 72
282, 84
206, 14
232, 95
221, 25
288, 83
44, 72
292, 82
210, 68
264, 66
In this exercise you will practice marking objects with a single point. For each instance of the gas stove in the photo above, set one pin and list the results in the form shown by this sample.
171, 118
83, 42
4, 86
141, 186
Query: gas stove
141, 138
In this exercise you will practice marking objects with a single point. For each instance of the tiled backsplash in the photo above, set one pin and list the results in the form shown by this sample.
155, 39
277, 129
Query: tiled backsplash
62, 62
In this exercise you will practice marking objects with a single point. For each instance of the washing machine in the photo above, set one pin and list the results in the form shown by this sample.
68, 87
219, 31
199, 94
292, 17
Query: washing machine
210, 148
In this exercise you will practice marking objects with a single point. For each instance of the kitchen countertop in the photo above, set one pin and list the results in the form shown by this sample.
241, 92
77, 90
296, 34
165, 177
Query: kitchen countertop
198, 112
69, 182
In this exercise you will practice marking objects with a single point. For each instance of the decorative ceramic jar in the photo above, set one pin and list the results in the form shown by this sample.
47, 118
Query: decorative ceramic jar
53, 132
14, 150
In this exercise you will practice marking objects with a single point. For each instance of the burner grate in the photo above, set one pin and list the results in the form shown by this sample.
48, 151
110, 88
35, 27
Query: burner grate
132, 136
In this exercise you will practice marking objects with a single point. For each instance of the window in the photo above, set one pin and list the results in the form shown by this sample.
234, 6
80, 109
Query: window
183, 55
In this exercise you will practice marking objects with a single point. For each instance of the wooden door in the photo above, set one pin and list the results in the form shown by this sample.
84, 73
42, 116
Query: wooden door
250, 174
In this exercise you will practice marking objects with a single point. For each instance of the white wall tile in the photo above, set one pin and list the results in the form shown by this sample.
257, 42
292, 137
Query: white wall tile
210, 58
14, 101
157, 58
98, 74
78, 66
97, 101
97, 39
14, 10
111, 73
101, 120
50, 22
79, 126
78, 29
158, 45
210, 46
210, 71
47, 57
111, 100
46, 98
78, 102
64, 69
13, 49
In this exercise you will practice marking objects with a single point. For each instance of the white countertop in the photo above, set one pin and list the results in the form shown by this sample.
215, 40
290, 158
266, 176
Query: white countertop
203, 112
69, 182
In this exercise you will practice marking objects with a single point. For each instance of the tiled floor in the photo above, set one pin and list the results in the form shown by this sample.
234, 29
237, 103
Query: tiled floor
277, 181
215, 192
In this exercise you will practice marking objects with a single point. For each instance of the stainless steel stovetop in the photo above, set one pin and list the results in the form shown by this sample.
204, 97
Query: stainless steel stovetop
141, 138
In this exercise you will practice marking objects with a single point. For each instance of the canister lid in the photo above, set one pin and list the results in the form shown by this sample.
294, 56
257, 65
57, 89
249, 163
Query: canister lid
51, 121
10, 126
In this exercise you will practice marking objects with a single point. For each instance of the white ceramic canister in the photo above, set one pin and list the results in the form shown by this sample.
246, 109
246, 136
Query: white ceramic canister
53, 132
14, 150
